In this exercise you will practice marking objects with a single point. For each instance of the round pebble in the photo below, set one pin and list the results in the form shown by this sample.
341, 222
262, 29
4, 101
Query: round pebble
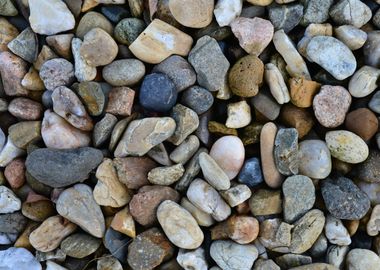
198, 99
127, 30
315, 159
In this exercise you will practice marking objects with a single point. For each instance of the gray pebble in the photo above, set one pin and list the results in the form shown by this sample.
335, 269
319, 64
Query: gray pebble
286, 151
197, 99
285, 17
371, 49
103, 129
25, 45
374, 103
127, 30
183, 152
266, 105
352, 12
315, 11
12, 223
125, 72
57, 72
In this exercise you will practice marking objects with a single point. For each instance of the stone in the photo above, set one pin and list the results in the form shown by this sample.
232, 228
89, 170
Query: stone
198, 99
265, 202
157, 93
127, 30
165, 176
80, 245
319, 248
206, 198
109, 191
160, 155
120, 101
45, 55
61, 44
119, 129
302, 91
331, 105
197, 14
117, 244
18, 258
175, 220
50, 17
8, 33
238, 114
346, 146
306, 231
335, 232
353, 37
362, 122
262, 264
108, 263
315, 159
286, 153
25, 45
38, 208
190, 259
229, 153
276, 84
210, 64
32, 81
159, 41
83, 71
7, 8
123, 222
144, 204
124, 72
226, 11
220, 129
46, 165
12, 223
78, 205
364, 81
103, 129
332, 55
213, 174
9, 152
275, 235
285, 17
288, 261
254, 35
236, 195
246, 76
251, 173
57, 72
352, 12
343, 199
12, 70
50, 265
52, 255
92, 96
362, 259
182, 153
187, 122
315, 266
15, 173
295, 65
143, 135
374, 103
24, 133
202, 218
336, 255
299, 118
25, 109
315, 11
149, 249
133, 171
229, 255
91, 20
9, 202
368, 170
372, 225
371, 49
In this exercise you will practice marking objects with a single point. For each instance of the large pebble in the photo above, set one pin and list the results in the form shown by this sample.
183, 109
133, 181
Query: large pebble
352, 12
286, 153
353, 37
9, 202
192, 13
24, 108
57, 72
80, 245
60, 168
78, 205
124, 72
315, 159
362, 259
18, 258
332, 55
25, 45
346, 146
335, 232
364, 81
316, 11
187, 122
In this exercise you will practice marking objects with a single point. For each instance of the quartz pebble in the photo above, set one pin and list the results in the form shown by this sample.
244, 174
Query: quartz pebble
239, 114
353, 37
18, 258
364, 81
9, 202
335, 232
315, 159
226, 11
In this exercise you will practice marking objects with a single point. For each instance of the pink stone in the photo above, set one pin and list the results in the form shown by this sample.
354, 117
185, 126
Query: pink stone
15, 173
26, 109
229, 153
254, 35
120, 101
13, 70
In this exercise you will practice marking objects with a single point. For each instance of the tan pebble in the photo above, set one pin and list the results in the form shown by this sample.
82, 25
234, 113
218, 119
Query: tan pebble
239, 114
192, 13
32, 81
8, 32
61, 44
123, 222
299, 118
45, 54
302, 91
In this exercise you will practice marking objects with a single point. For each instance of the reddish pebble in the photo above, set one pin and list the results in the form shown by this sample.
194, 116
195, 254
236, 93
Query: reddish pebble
120, 101
15, 173
25, 109
13, 70
363, 122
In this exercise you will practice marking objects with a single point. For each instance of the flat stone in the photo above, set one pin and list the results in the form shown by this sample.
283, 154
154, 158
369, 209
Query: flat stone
9, 202
24, 133
265, 202
343, 199
123, 222
18, 258
192, 259
93, 97
60, 168
251, 173
12, 70
213, 174
226, 11
236, 195
165, 176
286, 152
125, 72
83, 71
25, 109
202, 218
117, 244
8, 33
50, 17
197, 14
362, 259
352, 12
285, 17
364, 81
335, 232
182, 153
315, 11
57, 72
9, 152
128, 30
353, 37
315, 159
78, 205
102, 129
80, 245
302, 91
25, 45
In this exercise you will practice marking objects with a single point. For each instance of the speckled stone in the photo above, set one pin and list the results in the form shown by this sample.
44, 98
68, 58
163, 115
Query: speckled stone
125, 72
286, 152
285, 17
57, 72
127, 30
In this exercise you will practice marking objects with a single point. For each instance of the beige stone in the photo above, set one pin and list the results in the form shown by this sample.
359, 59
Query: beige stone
123, 222
32, 80
204, 219
373, 225
192, 13
276, 83
238, 114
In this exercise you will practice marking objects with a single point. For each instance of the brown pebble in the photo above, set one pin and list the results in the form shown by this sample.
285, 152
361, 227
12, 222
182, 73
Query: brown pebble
15, 173
120, 101
363, 122
26, 109
7, 33
351, 226
299, 118
13, 70
302, 91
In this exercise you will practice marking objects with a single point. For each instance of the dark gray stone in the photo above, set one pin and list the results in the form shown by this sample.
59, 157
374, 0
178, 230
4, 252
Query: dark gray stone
251, 174
25, 45
127, 30
115, 13
117, 244
197, 99
60, 168
80, 245
286, 151
285, 16
315, 11
12, 223
266, 105
369, 170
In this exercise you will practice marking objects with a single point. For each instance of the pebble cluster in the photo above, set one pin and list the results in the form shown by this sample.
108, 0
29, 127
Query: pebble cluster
189, 134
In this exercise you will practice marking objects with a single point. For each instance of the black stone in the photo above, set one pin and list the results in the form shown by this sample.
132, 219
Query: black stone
198, 99
115, 13
251, 174
361, 240
117, 244
158, 93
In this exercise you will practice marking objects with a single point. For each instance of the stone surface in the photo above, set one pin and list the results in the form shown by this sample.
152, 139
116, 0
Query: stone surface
8, 33
103, 129
15, 173
117, 244
238, 114
92, 20
9, 152
364, 81
93, 97
108, 263
236, 195
226, 11
265, 202
18, 258
124, 72
192, 259
362, 259
12, 70
343, 199
315, 159
335, 232
9, 202
83, 71
276, 84
187, 122
286, 152
80, 245
371, 49
127, 30
352, 12
32, 80
202, 218
120, 101
374, 103
24, 133
166, 176
362, 122
285, 17
251, 173
198, 99
316, 11
25, 45
7, 8
368, 170
353, 37
197, 14
12, 223
213, 174
61, 44
57, 72
302, 91
123, 222
78, 205
183, 152
24, 108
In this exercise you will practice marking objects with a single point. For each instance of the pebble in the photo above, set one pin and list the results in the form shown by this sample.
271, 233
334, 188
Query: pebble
7, 8
144, 204
319, 248
254, 35
203, 219
9, 202
25, 45
368, 170
165, 176
336, 255
236, 195
189, 259
178, 70
57, 72
32, 80
18, 258
299, 118
103, 129
332, 55
50, 265
9, 152
25, 109
210, 64
227, 11
50, 233
228, 152
8, 31
331, 105
352, 12
15, 173
251, 174
353, 37
182, 153
275, 235
119, 129
286, 154
302, 91
157, 93
343, 199
362, 122
142, 135
120, 101
125, 72
61, 44
13, 70
306, 231
198, 99
179, 225
127, 30
109, 191
24, 133
371, 49
372, 226
159, 41
50, 17
276, 84
315, 159
364, 81
335, 232
346, 146
37, 208
229, 255
206, 198
80, 245
260, 2
315, 266
92, 96
123, 222
46, 54
187, 122
265, 202
117, 244
92, 20
374, 103
193, 13
78, 205
160, 155
362, 259
296, 66
287, 261
316, 11
239, 114
83, 71
246, 75
285, 17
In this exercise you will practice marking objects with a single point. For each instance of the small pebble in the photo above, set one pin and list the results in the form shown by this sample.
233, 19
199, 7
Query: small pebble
372, 226
127, 30
83, 71
251, 174
226, 11
316, 11
57, 72
25, 45
187, 122
335, 232
352, 12
80, 245
236, 195
239, 114
15, 69
192, 259
204, 219
336, 255
117, 244
353, 37
276, 84
285, 17
25, 109
102, 129
61, 44
315, 159
286, 154
93, 97
124, 72
165, 176
198, 99
364, 81
362, 122
265, 202
24, 133
183, 152
9, 202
